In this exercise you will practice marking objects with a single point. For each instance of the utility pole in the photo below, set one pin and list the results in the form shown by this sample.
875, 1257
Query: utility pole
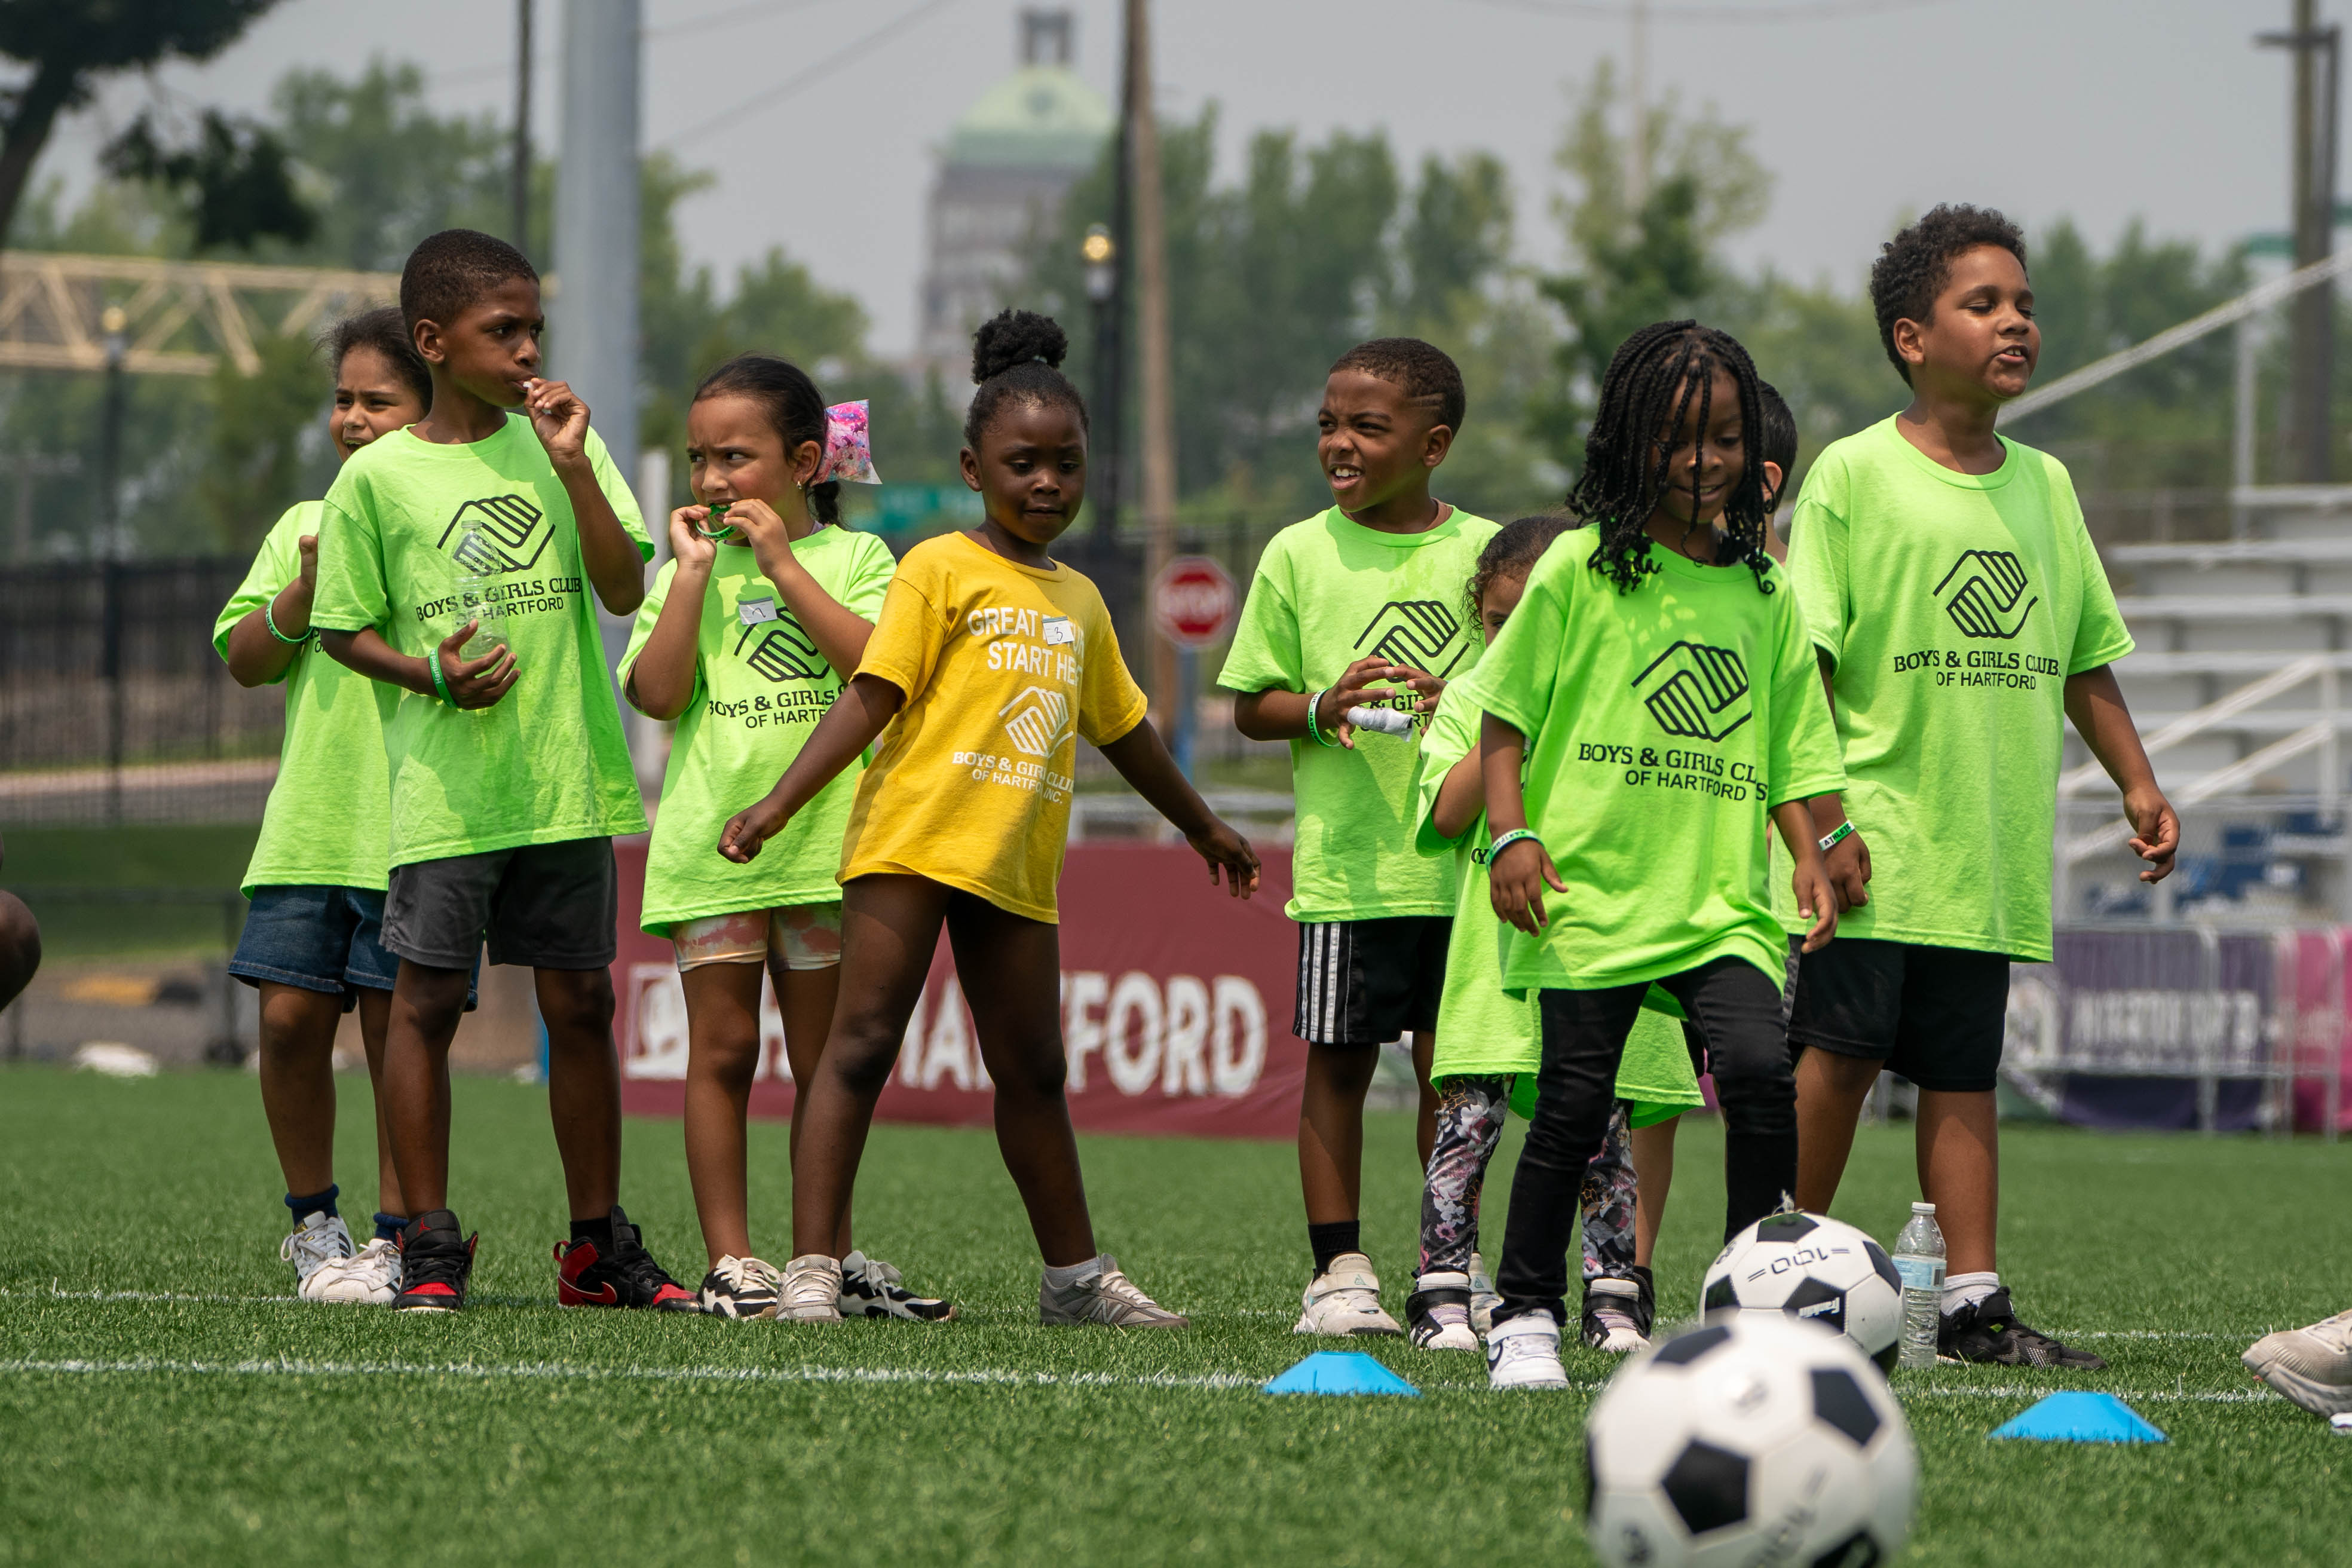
2317, 51
1154, 362
594, 335
520, 191
1110, 321
1637, 168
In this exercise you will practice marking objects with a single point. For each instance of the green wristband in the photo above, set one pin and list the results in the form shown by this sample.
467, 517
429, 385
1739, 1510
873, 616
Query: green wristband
270, 620
440, 681
1507, 840
1314, 728
1836, 835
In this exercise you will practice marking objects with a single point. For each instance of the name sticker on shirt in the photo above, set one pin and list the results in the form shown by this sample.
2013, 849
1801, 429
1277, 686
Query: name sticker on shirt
751, 612
1058, 629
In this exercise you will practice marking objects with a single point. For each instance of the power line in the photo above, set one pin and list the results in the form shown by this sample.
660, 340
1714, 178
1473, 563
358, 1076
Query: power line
777, 91
540, 62
1793, 11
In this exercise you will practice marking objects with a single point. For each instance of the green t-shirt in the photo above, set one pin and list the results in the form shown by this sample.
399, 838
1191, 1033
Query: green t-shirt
759, 687
546, 762
1481, 1029
1953, 608
1663, 725
329, 820
1328, 593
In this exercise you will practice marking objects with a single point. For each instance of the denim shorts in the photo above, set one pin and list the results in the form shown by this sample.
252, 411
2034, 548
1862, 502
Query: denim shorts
319, 939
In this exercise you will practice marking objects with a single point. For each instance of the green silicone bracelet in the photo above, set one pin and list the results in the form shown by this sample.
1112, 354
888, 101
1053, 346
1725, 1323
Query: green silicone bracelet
269, 620
1314, 705
1836, 835
440, 681
1507, 840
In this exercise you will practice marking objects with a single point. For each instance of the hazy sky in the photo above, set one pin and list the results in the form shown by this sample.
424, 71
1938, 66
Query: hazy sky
2102, 109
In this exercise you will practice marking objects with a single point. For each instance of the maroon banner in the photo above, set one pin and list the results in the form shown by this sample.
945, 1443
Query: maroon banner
1175, 1008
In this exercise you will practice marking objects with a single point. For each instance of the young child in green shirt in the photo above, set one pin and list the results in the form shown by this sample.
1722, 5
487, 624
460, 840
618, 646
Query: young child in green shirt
1356, 609
1962, 618
1654, 690
1487, 1051
509, 774
765, 602
315, 884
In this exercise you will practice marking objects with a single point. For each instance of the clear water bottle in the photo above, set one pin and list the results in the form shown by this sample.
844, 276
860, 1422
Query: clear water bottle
1919, 1259
477, 580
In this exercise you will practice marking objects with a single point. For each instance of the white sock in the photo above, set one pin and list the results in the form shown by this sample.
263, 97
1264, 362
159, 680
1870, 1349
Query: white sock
1076, 1273
1966, 1289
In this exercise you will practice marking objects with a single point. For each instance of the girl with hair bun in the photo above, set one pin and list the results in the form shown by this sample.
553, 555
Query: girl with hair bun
989, 662
744, 640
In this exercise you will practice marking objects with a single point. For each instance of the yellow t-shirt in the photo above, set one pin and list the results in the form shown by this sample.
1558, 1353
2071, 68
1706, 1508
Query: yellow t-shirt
1004, 667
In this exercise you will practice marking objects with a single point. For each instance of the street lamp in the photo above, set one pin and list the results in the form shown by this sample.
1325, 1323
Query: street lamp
115, 324
1099, 254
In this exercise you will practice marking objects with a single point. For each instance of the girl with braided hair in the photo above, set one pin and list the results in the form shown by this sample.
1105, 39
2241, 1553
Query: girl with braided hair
1650, 702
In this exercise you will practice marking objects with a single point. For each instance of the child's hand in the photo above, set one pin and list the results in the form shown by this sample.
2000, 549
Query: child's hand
1515, 881
309, 547
764, 532
692, 552
1849, 871
1352, 688
2156, 831
479, 682
741, 839
1224, 847
561, 419
1428, 688
1817, 899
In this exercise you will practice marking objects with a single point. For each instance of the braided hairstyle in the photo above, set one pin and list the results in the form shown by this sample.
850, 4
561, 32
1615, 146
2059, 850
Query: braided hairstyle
1655, 377
1512, 552
1017, 358
793, 406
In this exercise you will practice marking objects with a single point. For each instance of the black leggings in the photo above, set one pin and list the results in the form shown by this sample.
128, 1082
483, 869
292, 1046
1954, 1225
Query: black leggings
1739, 1010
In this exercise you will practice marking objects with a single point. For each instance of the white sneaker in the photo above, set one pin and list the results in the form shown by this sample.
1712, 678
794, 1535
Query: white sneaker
1437, 1313
740, 1288
1524, 1352
1110, 1297
2312, 1366
328, 1268
1482, 1299
812, 1292
1344, 1301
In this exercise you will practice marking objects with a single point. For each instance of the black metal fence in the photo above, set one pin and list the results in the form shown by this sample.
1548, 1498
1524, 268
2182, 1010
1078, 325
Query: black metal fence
113, 706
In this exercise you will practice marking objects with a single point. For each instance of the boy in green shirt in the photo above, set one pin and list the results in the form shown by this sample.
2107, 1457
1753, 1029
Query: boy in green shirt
509, 774
1356, 612
1961, 616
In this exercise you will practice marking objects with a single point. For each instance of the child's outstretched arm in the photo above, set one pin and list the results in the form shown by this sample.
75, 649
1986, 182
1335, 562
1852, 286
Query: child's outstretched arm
607, 553
1817, 894
1278, 715
864, 706
471, 683
2095, 704
1517, 876
1142, 760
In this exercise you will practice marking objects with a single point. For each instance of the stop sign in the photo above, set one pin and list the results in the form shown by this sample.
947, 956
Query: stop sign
1192, 600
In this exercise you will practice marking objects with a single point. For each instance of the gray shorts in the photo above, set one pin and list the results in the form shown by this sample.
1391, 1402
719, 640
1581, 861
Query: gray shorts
551, 905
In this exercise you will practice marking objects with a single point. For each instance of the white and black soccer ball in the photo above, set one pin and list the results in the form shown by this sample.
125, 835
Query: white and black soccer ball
1754, 1438
1812, 1266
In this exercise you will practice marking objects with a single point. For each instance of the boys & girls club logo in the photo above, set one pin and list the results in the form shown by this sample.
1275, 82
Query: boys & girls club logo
782, 651
1036, 721
497, 534
1698, 692
1416, 632
1984, 593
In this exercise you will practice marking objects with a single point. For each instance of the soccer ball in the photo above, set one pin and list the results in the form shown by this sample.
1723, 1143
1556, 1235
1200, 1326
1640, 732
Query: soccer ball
1815, 1267
1752, 1439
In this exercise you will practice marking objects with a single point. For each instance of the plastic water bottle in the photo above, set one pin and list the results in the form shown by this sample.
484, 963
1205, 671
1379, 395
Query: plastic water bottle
475, 587
1919, 1259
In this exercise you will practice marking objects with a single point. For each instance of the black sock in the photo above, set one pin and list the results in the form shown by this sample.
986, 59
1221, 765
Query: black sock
598, 1230
1330, 1240
316, 1202
388, 1226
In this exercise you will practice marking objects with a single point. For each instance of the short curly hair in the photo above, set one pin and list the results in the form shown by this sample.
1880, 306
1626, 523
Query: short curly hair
1912, 268
1423, 371
450, 270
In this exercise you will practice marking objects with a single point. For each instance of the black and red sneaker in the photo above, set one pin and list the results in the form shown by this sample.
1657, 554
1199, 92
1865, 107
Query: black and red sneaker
629, 1278
436, 1258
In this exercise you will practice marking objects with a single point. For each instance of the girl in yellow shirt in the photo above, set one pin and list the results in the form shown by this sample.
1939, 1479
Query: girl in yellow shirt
989, 662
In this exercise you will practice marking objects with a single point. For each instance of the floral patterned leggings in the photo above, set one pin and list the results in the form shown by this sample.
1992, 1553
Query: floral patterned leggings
1470, 1114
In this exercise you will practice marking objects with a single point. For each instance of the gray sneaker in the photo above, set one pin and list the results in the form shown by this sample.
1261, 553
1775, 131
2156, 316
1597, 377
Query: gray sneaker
1109, 1298
2312, 1366
811, 1291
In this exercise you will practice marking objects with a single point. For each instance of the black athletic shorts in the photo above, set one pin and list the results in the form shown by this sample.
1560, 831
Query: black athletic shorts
1364, 983
551, 905
1936, 1015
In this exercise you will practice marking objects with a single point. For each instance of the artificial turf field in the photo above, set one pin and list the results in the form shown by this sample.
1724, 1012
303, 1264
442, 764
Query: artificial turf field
162, 1397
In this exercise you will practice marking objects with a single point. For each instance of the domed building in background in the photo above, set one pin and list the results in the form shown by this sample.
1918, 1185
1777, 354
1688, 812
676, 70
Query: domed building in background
1005, 170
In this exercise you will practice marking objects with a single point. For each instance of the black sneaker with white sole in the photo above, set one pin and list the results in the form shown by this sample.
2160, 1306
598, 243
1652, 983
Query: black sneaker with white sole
1987, 1332
1616, 1316
740, 1288
436, 1259
872, 1288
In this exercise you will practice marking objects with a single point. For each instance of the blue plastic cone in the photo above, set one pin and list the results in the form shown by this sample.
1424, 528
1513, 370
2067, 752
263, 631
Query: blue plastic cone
2079, 1417
1340, 1371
